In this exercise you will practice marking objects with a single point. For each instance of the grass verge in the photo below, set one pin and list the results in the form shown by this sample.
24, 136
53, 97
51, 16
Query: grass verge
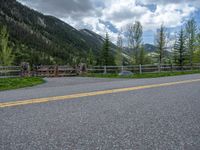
144, 75
15, 83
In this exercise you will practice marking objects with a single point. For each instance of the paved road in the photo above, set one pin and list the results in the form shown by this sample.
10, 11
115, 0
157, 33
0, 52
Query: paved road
166, 117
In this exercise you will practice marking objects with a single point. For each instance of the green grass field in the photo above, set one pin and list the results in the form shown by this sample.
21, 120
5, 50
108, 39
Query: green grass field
15, 83
144, 75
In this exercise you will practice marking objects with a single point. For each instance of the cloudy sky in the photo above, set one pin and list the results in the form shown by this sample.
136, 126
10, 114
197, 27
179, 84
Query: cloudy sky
111, 16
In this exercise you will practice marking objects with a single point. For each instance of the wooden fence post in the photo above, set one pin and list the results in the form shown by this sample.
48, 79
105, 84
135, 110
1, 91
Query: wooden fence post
105, 70
140, 66
56, 71
159, 67
122, 68
171, 67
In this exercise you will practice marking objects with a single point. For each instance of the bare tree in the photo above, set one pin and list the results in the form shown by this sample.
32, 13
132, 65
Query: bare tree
135, 32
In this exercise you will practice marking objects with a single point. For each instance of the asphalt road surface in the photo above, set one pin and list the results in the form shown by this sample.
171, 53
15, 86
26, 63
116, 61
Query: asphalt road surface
161, 113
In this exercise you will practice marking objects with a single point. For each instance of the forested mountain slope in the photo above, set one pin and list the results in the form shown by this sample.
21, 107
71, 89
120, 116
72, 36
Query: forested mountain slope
45, 39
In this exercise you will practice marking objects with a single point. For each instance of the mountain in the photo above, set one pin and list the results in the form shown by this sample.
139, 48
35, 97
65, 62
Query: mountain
38, 38
96, 40
149, 48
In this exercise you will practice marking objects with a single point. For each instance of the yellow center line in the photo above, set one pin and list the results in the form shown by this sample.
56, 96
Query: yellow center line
79, 95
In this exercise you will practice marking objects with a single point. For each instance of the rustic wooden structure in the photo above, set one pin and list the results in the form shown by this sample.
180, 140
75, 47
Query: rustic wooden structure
64, 71
10, 71
55, 71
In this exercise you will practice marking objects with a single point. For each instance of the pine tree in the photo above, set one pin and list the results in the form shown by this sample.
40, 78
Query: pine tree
174, 53
180, 48
6, 56
119, 56
107, 58
161, 43
196, 58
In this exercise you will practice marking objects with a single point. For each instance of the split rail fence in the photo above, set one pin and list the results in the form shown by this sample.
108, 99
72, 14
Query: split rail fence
10, 71
61, 71
142, 68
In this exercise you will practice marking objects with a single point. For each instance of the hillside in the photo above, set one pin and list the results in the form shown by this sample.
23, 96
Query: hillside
149, 48
42, 39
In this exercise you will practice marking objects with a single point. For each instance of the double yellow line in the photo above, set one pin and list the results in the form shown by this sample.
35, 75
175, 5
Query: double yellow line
79, 95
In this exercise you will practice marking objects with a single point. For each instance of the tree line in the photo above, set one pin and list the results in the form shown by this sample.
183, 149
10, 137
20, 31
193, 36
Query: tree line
183, 48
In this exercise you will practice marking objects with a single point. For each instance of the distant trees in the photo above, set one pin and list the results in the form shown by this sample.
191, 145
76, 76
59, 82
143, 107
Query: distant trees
191, 30
106, 54
186, 49
180, 51
142, 56
90, 58
161, 43
6, 55
196, 58
25, 54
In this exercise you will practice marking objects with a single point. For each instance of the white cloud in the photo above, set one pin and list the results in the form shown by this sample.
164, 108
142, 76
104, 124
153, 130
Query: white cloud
119, 13
172, 15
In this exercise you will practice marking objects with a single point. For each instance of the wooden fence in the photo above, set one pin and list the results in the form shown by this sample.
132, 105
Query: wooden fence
10, 71
41, 71
142, 68
55, 71
62, 71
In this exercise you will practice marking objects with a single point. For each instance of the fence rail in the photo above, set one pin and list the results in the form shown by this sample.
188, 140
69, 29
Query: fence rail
55, 71
10, 71
143, 68
41, 71
61, 71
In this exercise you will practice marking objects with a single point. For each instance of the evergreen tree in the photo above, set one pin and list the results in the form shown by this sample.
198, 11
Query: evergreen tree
174, 53
191, 29
107, 58
180, 48
161, 43
196, 58
6, 56
119, 56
